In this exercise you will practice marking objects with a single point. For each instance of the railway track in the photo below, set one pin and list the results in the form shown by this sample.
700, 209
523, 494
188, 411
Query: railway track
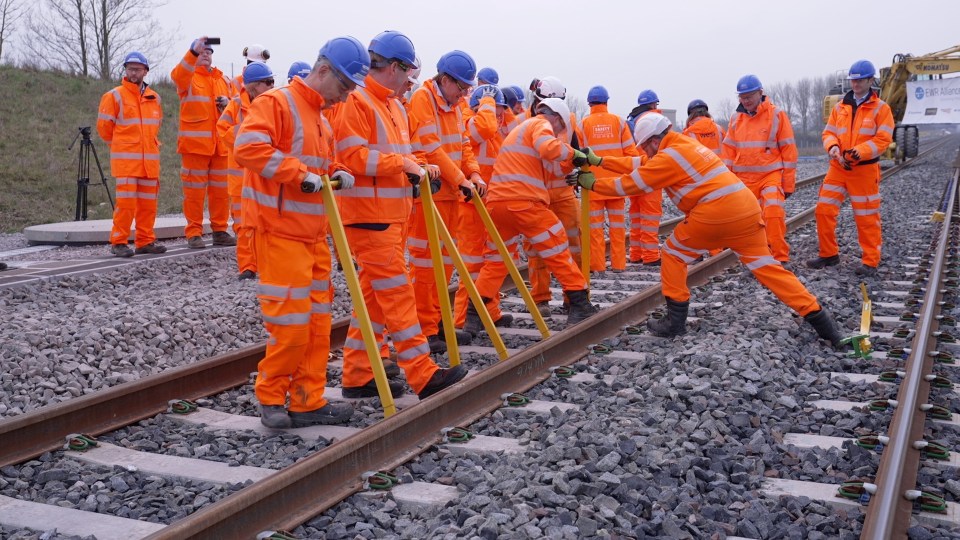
291, 496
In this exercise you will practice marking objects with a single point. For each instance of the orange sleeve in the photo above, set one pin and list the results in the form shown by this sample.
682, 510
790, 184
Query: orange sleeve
548, 146
483, 125
107, 116
227, 124
425, 138
654, 174
254, 148
622, 164
788, 153
182, 73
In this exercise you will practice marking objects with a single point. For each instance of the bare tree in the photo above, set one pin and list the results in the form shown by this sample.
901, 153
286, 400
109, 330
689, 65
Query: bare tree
57, 36
805, 102
577, 107
119, 26
723, 111
11, 11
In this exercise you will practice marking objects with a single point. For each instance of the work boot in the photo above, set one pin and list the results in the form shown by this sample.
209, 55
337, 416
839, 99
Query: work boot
247, 274
391, 368
866, 271
152, 248
472, 323
370, 390
675, 321
275, 416
437, 344
121, 250
544, 309
463, 337
580, 306
442, 378
3, 266
222, 238
331, 413
505, 321
821, 262
822, 322
195, 242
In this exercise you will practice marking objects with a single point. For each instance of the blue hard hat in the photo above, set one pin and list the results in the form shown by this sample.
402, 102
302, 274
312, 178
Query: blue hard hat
393, 45
348, 56
647, 97
598, 94
520, 94
488, 75
861, 69
510, 95
748, 83
256, 71
136, 57
499, 98
298, 69
458, 65
697, 103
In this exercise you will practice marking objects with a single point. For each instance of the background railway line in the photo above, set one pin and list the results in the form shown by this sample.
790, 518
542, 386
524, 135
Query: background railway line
700, 422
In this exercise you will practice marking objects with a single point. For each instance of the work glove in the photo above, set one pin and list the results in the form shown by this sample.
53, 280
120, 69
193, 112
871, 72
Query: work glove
413, 169
853, 153
488, 90
579, 158
433, 171
466, 187
435, 185
592, 158
311, 183
197, 45
222, 102
586, 179
478, 184
346, 179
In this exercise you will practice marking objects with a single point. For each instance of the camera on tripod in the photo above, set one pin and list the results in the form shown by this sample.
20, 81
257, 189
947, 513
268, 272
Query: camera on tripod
83, 171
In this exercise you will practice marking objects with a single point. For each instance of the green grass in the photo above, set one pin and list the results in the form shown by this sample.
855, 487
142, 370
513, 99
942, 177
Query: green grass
40, 112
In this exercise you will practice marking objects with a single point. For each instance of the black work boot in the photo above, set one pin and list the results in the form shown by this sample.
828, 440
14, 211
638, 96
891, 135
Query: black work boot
463, 337
473, 323
674, 323
580, 306
822, 322
821, 262
437, 344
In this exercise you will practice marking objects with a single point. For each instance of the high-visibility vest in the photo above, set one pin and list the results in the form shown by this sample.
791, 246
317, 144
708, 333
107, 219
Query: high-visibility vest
198, 90
530, 154
868, 128
129, 119
757, 145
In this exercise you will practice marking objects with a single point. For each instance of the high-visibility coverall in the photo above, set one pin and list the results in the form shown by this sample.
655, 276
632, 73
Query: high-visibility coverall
706, 132
607, 135
227, 128
646, 210
519, 205
284, 137
868, 129
128, 119
372, 141
483, 130
762, 151
204, 156
720, 212
438, 138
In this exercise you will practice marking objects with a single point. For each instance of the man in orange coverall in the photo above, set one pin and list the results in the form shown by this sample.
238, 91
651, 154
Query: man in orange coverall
257, 78
760, 149
859, 130
373, 141
286, 144
720, 212
134, 156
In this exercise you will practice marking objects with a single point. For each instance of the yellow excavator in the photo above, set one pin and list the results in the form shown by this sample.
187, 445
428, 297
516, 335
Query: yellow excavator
892, 85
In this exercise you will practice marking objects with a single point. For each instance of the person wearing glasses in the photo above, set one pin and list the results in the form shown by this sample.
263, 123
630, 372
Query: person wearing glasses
257, 78
373, 140
438, 137
129, 120
286, 146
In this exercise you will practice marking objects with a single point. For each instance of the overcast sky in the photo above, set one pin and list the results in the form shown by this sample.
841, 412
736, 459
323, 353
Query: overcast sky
682, 49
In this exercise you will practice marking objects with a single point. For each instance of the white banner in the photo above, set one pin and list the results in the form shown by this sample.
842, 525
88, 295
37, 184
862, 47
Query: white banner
933, 102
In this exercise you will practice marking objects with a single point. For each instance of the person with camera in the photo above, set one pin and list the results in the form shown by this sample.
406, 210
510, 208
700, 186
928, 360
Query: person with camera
286, 146
128, 120
203, 91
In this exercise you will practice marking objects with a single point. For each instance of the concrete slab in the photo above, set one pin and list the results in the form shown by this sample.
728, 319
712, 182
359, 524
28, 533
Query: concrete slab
336, 394
806, 440
827, 493
97, 231
537, 406
215, 420
590, 378
868, 378
850, 405
67, 521
483, 444
423, 498
475, 349
170, 466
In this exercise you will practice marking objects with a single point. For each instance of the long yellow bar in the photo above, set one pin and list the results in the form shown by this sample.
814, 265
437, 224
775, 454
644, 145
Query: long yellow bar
585, 234
866, 317
432, 217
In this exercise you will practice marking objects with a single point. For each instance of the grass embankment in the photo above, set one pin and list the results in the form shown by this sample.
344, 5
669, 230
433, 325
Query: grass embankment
40, 112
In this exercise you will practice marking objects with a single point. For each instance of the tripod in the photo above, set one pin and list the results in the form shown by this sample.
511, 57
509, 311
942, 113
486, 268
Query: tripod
83, 171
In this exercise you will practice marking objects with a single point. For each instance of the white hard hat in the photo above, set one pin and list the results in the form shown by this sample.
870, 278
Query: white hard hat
414, 74
648, 125
256, 53
550, 87
559, 107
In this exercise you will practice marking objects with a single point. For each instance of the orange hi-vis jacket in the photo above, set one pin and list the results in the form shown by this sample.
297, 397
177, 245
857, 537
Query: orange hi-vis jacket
438, 138
229, 125
607, 135
706, 132
235, 85
198, 90
556, 178
867, 128
372, 140
692, 175
483, 129
529, 155
758, 145
284, 137
128, 119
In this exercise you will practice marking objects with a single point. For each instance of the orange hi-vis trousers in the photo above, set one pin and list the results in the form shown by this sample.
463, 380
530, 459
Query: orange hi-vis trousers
472, 244
617, 231
545, 232
391, 305
246, 256
862, 184
424, 284
201, 175
645, 212
568, 212
295, 298
136, 201
693, 238
770, 196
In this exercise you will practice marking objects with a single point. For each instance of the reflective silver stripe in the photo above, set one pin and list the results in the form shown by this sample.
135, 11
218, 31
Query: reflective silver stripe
873, 148
248, 137
772, 202
194, 172
195, 133
617, 225
293, 319
610, 146
421, 262
455, 155
831, 201
886, 128
554, 230
836, 189
280, 291
413, 352
455, 138
529, 180
409, 332
556, 250
195, 185
377, 327
195, 98
131, 155
865, 211
416, 243
760, 262
270, 169
686, 249
776, 166
519, 149
321, 308
726, 190
186, 66
864, 198
388, 283
101, 116
301, 207
769, 189
369, 192
349, 142
484, 160
259, 197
